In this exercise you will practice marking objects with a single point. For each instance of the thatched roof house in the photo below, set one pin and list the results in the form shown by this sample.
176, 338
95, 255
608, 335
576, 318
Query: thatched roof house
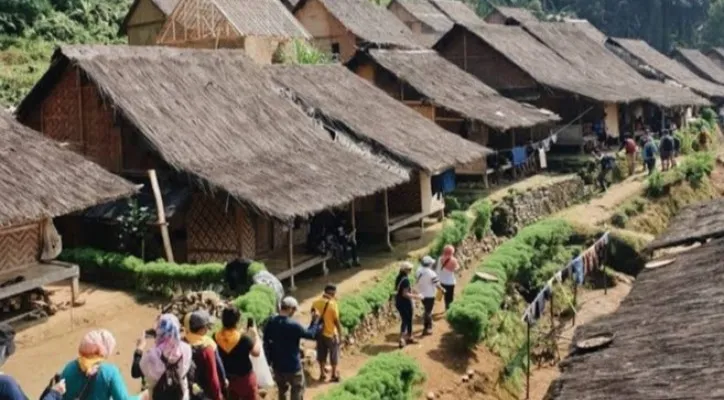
446, 86
653, 64
343, 26
423, 18
257, 26
700, 64
589, 29
717, 55
144, 20
668, 332
41, 179
371, 116
694, 223
510, 16
601, 65
458, 11
254, 144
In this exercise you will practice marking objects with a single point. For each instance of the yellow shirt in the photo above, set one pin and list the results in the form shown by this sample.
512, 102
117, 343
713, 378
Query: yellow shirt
330, 317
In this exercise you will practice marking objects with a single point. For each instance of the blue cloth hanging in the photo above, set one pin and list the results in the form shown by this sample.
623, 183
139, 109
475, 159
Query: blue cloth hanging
578, 270
444, 182
520, 155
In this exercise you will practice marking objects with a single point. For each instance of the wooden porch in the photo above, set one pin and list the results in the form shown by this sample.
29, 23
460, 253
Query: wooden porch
287, 262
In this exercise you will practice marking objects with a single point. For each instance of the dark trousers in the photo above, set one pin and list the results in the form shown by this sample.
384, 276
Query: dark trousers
449, 295
404, 307
292, 383
651, 165
602, 178
428, 303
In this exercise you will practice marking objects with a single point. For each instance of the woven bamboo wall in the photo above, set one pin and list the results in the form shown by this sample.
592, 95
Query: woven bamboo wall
101, 137
19, 246
212, 233
246, 232
406, 198
61, 111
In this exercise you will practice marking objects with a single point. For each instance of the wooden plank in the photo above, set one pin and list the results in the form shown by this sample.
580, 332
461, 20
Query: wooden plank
40, 275
161, 212
303, 267
413, 218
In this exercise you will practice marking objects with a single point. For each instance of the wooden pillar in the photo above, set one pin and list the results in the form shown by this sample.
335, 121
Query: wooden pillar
353, 219
387, 220
290, 256
161, 213
512, 145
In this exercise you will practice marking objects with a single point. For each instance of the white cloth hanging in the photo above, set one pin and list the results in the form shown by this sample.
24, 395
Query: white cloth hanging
542, 157
52, 241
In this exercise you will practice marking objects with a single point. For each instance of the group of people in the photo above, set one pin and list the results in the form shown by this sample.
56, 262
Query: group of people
329, 234
433, 279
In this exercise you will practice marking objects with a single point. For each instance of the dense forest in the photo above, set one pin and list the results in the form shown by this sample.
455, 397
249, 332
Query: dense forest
29, 29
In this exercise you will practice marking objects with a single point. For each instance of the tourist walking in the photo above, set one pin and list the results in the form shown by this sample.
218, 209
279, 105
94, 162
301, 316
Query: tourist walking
677, 150
629, 145
165, 366
649, 155
235, 350
427, 285
209, 377
666, 145
447, 266
9, 387
91, 376
282, 336
328, 339
607, 163
404, 298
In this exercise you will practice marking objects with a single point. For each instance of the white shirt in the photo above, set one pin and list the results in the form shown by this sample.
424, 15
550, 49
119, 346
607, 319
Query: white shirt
426, 282
447, 277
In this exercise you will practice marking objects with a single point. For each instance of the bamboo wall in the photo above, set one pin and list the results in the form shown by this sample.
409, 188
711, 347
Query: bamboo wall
144, 24
20, 245
326, 29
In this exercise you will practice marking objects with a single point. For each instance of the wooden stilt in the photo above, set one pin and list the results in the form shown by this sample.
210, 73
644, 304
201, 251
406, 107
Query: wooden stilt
387, 220
161, 212
353, 218
527, 366
290, 257
74, 291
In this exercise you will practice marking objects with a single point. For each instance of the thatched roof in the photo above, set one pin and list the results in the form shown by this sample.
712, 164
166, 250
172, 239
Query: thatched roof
426, 13
458, 12
449, 87
669, 68
216, 116
603, 66
371, 23
668, 337
589, 29
40, 179
701, 64
716, 54
694, 223
540, 62
165, 6
518, 14
372, 116
261, 18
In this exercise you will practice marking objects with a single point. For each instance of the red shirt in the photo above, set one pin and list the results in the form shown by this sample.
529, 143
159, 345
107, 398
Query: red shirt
630, 146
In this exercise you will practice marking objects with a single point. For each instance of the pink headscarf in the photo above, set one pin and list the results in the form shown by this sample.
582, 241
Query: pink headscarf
169, 344
97, 343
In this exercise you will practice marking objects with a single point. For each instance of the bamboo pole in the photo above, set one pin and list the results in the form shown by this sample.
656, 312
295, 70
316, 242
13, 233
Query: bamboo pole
161, 212
353, 219
387, 220
290, 256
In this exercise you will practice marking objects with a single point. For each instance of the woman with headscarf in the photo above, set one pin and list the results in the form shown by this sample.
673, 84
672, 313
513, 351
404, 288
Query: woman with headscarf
447, 265
403, 302
91, 376
168, 350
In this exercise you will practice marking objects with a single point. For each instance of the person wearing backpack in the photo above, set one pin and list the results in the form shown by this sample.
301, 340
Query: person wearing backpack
166, 365
91, 376
209, 374
667, 148
328, 339
235, 350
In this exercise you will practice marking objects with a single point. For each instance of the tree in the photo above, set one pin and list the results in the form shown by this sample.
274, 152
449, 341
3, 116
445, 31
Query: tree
712, 33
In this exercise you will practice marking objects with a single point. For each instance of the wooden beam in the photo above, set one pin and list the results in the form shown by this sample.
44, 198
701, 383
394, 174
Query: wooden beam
515, 167
387, 220
353, 219
80, 111
161, 212
290, 256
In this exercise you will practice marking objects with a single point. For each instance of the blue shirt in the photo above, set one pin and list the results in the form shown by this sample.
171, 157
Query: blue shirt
281, 343
10, 390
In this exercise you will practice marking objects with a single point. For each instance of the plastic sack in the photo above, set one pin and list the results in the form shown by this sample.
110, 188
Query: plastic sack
262, 371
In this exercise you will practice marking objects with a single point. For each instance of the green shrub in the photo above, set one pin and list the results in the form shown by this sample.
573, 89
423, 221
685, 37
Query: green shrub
392, 376
259, 303
452, 203
619, 219
483, 212
456, 229
131, 273
655, 185
696, 167
687, 141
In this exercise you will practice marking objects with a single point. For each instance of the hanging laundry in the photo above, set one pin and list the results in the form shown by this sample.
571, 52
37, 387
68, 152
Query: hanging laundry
554, 138
542, 158
547, 144
520, 156
567, 272
577, 265
444, 182
559, 276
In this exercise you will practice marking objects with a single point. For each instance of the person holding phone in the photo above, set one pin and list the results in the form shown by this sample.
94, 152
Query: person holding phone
235, 350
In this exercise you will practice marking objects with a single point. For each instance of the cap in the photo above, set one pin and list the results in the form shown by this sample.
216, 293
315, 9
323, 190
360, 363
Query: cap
200, 319
290, 302
7, 340
406, 266
330, 288
427, 261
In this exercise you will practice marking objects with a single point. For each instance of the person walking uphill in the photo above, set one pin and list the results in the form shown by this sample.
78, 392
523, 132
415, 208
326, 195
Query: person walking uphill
282, 335
235, 349
649, 155
404, 302
209, 374
9, 388
447, 266
91, 376
667, 147
629, 145
427, 284
166, 365
328, 339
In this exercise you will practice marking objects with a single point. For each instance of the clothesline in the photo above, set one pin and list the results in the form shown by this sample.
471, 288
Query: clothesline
545, 144
578, 269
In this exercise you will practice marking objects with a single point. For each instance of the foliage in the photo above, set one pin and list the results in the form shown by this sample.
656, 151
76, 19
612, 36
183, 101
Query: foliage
299, 51
517, 260
128, 272
133, 228
619, 220
456, 229
392, 376
483, 212
712, 33
655, 186
259, 303
452, 203
696, 167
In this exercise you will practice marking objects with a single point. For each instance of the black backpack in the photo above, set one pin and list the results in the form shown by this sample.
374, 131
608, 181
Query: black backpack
169, 386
